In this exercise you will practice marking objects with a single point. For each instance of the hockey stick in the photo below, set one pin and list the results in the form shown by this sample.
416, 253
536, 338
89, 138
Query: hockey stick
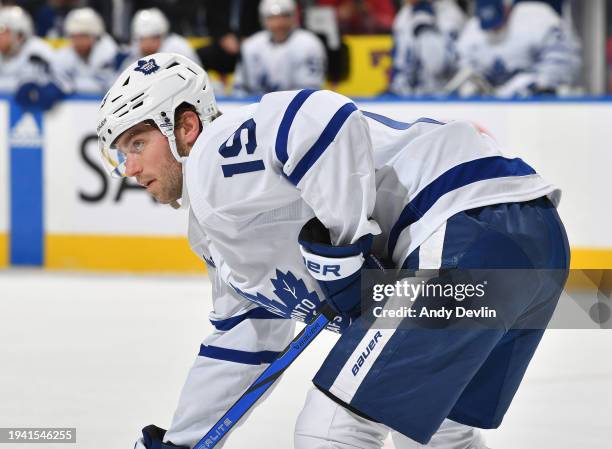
266, 379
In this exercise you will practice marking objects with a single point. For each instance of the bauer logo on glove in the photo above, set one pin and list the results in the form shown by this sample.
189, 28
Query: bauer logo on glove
337, 268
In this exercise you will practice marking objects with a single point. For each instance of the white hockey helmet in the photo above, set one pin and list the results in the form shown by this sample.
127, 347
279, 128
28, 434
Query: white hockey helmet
16, 20
151, 89
269, 8
84, 21
149, 23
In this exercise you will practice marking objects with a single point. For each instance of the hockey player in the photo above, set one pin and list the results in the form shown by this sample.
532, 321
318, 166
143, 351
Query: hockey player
349, 185
424, 55
521, 50
90, 58
282, 56
28, 65
151, 34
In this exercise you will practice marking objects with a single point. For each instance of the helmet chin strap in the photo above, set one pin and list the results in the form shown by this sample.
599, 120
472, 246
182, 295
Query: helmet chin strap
184, 203
174, 149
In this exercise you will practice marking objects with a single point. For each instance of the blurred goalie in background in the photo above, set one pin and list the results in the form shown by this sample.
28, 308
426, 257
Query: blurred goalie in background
516, 51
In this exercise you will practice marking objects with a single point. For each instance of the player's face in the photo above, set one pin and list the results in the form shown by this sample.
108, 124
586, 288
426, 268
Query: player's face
82, 44
5, 41
150, 161
279, 26
150, 45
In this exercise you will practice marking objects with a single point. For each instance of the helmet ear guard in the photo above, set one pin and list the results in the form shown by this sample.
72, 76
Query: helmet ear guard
165, 123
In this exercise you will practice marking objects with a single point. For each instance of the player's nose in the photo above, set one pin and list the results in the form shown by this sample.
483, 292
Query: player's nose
132, 166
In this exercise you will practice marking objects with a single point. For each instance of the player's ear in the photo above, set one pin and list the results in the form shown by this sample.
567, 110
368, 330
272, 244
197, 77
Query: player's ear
188, 128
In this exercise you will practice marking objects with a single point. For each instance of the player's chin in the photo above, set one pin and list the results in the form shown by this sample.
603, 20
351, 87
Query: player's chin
165, 193
164, 197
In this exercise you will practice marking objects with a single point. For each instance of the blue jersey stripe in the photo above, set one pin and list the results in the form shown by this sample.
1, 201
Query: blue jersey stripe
209, 261
323, 142
395, 124
235, 355
258, 313
413, 260
455, 178
283, 130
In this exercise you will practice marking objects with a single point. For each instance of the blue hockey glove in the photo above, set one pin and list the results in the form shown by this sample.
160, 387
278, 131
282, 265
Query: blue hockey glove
152, 438
32, 95
50, 94
27, 95
337, 268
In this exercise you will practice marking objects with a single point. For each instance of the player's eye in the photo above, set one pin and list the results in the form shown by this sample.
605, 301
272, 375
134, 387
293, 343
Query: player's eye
137, 146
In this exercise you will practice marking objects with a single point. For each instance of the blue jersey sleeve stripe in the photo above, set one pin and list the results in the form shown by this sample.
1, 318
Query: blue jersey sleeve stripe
455, 178
323, 142
209, 261
396, 124
282, 136
258, 313
234, 355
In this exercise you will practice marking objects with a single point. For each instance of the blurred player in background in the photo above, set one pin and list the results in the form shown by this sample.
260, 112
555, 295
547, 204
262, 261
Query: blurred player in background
28, 65
282, 56
424, 56
520, 50
302, 181
151, 34
90, 58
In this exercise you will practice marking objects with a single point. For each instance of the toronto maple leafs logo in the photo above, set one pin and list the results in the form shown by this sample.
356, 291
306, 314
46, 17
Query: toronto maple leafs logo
294, 300
498, 73
147, 67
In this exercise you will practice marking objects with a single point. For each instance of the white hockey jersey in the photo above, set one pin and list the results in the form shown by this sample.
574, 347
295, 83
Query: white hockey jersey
173, 43
266, 66
423, 64
534, 51
94, 75
36, 61
256, 175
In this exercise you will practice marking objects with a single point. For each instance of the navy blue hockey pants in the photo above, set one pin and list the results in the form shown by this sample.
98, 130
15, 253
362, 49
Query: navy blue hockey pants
417, 377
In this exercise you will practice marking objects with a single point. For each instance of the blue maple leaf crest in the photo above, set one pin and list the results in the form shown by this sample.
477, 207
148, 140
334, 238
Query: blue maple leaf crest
294, 299
147, 67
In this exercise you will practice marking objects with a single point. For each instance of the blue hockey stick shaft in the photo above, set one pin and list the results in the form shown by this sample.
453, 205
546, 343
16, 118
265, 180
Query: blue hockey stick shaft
266, 379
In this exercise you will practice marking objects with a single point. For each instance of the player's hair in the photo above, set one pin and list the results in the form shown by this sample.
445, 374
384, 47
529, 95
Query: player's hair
181, 109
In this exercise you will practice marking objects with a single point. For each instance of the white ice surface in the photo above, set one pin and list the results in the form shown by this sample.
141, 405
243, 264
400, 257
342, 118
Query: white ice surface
108, 355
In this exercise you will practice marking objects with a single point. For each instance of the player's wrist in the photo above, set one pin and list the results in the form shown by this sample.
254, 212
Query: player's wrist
337, 268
